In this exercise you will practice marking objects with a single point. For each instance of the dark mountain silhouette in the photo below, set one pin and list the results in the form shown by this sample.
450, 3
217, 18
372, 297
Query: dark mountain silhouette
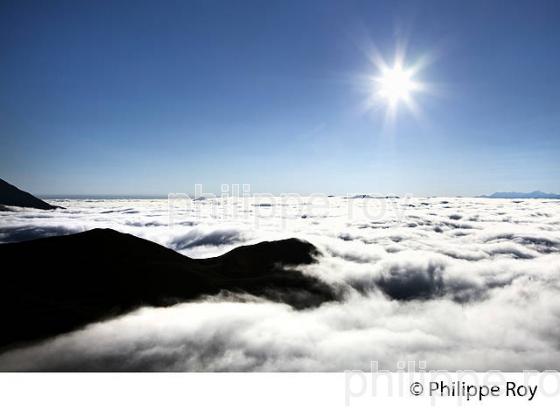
522, 195
57, 284
13, 196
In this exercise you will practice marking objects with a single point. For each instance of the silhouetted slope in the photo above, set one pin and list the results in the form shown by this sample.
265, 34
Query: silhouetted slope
13, 196
53, 285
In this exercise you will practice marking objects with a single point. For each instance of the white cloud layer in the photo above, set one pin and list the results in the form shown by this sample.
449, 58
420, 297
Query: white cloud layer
463, 283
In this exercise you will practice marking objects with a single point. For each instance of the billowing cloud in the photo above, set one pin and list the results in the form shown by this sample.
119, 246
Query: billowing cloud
213, 237
461, 283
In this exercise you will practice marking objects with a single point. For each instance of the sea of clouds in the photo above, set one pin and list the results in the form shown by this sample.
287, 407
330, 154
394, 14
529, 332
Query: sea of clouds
461, 283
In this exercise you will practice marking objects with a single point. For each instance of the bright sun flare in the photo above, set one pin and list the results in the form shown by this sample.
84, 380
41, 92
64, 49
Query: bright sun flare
396, 84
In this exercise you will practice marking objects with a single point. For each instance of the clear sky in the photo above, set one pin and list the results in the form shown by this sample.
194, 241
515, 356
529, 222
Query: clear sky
153, 97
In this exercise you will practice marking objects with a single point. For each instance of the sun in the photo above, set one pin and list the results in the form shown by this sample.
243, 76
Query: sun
396, 84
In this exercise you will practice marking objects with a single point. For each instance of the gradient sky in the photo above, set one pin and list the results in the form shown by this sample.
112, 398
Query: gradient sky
153, 97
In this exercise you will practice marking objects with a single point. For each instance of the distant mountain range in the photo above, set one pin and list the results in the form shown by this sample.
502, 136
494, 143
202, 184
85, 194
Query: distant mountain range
13, 196
521, 195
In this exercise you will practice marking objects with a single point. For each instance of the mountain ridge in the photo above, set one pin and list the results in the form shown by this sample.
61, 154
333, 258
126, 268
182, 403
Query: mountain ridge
58, 284
522, 195
10, 195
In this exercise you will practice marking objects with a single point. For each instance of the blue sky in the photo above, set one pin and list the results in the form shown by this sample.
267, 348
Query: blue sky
154, 97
